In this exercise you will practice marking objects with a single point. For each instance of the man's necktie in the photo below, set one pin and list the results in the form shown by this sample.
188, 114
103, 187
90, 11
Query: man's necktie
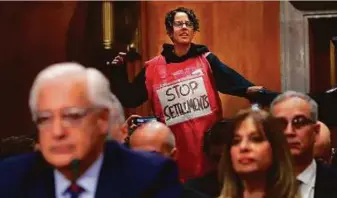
75, 190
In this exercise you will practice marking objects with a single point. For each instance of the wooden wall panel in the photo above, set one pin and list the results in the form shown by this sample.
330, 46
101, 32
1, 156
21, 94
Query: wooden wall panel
244, 35
33, 35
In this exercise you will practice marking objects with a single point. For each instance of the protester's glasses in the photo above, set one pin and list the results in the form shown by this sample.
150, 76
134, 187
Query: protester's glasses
181, 24
70, 117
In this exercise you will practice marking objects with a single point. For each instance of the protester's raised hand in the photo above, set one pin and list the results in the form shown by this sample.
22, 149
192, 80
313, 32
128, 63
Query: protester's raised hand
254, 89
128, 124
119, 59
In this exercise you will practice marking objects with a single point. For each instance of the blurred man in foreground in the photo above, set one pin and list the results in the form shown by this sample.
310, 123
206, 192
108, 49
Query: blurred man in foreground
71, 107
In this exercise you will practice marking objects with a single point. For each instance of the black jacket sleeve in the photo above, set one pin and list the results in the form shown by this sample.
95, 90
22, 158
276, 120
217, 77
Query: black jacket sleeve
131, 94
227, 80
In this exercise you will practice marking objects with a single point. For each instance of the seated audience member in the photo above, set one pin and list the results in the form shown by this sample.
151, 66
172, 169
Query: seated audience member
156, 137
16, 145
71, 105
322, 146
256, 162
300, 113
213, 145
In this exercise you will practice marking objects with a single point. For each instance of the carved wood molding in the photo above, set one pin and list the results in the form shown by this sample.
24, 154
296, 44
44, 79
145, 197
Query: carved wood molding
294, 36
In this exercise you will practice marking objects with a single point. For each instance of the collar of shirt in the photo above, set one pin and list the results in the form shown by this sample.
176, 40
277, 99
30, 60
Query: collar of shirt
308, 176
88, 180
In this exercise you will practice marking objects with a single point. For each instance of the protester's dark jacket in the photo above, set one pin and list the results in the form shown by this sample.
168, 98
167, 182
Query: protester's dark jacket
133, 94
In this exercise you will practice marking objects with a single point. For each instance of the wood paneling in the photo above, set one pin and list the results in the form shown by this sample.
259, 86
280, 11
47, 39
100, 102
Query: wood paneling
33, 35
244, 35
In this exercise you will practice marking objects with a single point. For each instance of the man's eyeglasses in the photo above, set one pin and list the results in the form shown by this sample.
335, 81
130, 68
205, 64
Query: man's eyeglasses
70, 117
299, 121
181, 24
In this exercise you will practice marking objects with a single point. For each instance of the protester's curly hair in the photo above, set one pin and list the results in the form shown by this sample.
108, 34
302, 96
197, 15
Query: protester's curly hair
170, 18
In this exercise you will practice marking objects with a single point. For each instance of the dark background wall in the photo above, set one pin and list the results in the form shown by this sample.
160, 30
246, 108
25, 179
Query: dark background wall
34, 35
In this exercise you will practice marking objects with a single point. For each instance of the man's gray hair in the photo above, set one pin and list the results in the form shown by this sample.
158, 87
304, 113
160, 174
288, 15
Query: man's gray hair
294, 94
98, 88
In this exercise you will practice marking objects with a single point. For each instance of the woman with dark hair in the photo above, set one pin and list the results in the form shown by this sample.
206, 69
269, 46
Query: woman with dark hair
182, 85
256, 161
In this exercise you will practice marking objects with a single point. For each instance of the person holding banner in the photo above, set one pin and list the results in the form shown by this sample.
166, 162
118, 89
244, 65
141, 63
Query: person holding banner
182, 84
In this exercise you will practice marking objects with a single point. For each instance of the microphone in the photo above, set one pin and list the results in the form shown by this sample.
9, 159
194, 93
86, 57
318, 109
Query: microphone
75, 169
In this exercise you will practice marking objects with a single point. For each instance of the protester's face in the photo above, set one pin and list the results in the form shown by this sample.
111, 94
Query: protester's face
250, 152
300, 130
183, 32
69, 126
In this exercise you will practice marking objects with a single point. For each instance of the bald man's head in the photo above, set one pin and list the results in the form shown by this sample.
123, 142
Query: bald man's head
322, 148
154, 137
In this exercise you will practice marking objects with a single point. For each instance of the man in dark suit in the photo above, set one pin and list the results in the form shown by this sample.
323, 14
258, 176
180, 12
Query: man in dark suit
299, 112
73, 111
157, 137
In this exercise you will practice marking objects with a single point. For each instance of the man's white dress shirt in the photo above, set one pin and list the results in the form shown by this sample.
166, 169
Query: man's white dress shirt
88, 181
307, 179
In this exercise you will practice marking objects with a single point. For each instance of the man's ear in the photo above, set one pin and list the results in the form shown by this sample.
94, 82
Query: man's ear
36, 147
103, 121
174, 154
317, 129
